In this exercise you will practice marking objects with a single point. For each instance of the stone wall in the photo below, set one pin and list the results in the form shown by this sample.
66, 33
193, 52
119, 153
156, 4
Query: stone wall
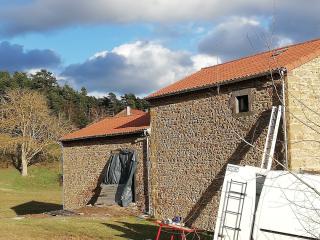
194, 137
303, 117
83, 164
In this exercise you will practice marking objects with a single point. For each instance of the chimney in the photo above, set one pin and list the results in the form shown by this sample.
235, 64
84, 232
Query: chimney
128, 110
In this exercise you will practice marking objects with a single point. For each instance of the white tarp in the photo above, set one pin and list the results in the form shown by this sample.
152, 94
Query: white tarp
288, 209
276, 206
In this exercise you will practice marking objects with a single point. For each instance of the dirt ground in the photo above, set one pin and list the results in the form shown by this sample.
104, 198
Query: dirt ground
93, 211
108, 211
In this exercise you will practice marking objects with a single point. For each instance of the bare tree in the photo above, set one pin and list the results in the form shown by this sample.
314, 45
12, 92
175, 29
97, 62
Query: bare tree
26, 126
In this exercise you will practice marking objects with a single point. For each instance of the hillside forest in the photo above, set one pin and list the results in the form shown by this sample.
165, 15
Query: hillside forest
36, 110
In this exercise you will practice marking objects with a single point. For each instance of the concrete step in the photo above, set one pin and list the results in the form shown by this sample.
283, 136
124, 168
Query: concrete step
110, 194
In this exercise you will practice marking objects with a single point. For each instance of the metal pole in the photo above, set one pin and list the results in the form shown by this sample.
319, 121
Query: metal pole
61, 145
284, 120
148, 173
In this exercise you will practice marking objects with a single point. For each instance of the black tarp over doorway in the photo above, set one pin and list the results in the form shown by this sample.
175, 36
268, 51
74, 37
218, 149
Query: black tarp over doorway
121, 168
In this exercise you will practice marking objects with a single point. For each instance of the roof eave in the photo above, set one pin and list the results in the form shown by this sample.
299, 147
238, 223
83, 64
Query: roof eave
103, 135
269, 72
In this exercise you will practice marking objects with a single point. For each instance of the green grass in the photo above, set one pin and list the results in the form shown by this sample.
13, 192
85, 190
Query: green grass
39, 178
81, 228
77, 228
35, 193
40, 192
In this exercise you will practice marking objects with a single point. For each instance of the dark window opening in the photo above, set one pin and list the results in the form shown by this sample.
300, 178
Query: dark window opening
242, 103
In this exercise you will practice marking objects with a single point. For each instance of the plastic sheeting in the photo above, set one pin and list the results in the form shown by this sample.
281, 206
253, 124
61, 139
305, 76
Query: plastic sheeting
121, 168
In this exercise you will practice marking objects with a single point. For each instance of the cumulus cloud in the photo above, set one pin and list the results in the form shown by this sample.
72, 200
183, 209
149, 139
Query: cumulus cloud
13, 57
204, 60
138, 67
294, 18
240, 36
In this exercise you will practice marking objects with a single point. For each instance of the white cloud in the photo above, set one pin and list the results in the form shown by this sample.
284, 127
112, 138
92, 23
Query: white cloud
33, 71
138, 67
283, 41
204, 60
99, 54
243, 21
97, 94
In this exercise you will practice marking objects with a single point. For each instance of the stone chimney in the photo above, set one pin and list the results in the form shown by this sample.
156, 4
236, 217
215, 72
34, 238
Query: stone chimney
128, 110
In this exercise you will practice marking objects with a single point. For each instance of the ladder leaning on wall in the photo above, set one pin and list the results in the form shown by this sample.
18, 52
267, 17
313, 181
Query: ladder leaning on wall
271, 139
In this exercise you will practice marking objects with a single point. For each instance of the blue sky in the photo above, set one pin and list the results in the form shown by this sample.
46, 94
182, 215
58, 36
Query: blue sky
80, 42
140, 46
77, 43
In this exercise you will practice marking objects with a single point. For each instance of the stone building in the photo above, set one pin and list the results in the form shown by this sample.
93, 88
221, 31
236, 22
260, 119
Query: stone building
86, 152
199, 124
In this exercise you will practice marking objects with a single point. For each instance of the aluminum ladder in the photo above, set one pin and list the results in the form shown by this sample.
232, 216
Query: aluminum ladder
232, 210
271, 139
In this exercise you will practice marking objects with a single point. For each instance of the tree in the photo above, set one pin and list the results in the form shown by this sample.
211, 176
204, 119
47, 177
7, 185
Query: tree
84, 91
43, 80
115, 104
26, 126
20, 80
5, 81
82, 113
66, 102
129, 99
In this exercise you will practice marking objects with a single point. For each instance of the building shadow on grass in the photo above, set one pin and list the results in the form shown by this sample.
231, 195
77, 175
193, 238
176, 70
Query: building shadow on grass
139, 231
34, 207
133, 230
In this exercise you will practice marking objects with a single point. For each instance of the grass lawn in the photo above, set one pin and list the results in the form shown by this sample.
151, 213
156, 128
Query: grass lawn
40, 192
76, 228
33, 194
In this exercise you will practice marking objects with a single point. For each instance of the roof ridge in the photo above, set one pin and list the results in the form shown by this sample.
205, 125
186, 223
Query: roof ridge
133, 111
113, 117
123, 116
263, 52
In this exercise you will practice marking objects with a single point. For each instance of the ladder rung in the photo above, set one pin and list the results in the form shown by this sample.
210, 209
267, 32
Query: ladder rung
231, 212
239, 193
239, 183
236, 198
232, 228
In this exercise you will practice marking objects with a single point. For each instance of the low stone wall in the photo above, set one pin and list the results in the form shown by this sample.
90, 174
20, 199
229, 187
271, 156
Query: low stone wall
84, 162
194, 136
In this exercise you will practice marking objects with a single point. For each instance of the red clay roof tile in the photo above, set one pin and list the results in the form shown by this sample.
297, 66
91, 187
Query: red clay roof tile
288, 57
120, 124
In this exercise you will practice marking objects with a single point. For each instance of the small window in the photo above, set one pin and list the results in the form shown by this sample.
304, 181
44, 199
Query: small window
242, 103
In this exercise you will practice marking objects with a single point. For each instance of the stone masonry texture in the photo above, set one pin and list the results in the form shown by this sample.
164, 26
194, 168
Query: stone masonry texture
194, 136
303, 117
84, 162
